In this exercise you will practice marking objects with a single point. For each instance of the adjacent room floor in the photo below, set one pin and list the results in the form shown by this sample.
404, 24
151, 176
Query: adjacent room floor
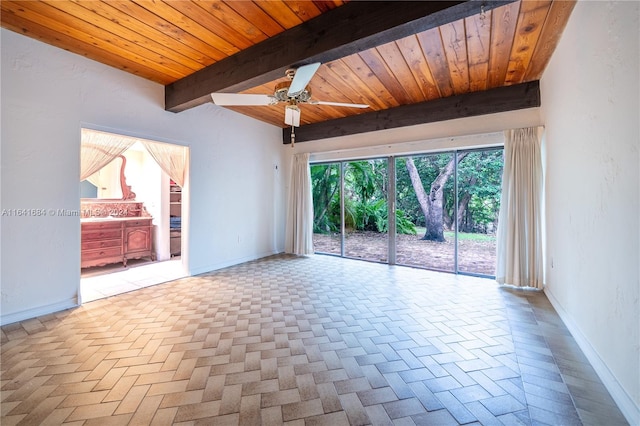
110, 280
310, 340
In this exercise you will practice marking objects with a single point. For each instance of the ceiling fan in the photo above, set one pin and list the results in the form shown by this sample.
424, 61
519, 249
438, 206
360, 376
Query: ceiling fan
292, 92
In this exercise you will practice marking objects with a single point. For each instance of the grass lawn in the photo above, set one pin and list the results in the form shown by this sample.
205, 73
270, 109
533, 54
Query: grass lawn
448, 235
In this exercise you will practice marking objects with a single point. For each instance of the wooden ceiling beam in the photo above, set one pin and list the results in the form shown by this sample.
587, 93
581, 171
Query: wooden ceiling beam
348, 29
501, 99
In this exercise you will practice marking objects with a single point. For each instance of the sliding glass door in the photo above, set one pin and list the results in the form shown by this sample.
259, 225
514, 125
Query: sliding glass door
446, 209
326, 187
365, 210
479, 187
424, 195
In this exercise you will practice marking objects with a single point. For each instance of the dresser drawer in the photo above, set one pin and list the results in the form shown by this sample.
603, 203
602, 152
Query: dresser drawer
106, 234
138, 222
99, 226
100, 253
92, 245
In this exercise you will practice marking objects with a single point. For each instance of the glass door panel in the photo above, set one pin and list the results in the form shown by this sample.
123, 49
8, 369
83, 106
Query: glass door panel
365, 210
479, 189
350, 201
325, 183
425, 198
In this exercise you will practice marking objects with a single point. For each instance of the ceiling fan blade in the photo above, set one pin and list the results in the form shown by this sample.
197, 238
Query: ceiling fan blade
302, 77
292, 115
340, 104
239, 99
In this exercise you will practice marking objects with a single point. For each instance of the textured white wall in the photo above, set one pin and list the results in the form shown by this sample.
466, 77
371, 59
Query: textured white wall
237, 196
590, 97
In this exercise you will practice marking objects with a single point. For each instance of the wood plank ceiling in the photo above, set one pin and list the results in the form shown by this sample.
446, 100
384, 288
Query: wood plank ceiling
167, 41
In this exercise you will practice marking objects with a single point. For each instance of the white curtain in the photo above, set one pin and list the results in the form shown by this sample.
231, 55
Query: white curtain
519, 239
98, 149
171, 158
299, 231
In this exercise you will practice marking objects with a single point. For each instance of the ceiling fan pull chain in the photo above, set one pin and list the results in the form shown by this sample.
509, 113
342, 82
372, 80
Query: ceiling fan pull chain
293, 135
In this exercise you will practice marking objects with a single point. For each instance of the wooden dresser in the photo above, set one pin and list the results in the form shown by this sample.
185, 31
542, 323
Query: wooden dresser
115, 231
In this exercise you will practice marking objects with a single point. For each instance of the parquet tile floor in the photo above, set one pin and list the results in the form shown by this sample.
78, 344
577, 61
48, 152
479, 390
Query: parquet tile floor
313, 340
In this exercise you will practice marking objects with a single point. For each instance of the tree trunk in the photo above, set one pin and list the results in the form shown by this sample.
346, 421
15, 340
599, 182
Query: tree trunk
448, 220
462, 207
431, 204
421, 195
462, 210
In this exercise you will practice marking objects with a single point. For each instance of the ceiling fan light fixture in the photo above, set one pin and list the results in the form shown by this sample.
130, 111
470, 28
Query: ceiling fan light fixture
292, 115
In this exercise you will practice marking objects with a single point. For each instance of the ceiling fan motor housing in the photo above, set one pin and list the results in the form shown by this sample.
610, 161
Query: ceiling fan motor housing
282, 90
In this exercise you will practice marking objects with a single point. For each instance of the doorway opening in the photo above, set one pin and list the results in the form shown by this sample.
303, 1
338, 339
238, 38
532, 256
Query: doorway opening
132, 216
436, 211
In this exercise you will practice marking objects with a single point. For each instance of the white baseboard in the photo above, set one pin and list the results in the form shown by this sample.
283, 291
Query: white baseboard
39, 311
225, 264
628, 407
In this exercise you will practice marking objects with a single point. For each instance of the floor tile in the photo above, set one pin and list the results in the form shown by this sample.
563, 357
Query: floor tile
314, 340
502, 405
470, 393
